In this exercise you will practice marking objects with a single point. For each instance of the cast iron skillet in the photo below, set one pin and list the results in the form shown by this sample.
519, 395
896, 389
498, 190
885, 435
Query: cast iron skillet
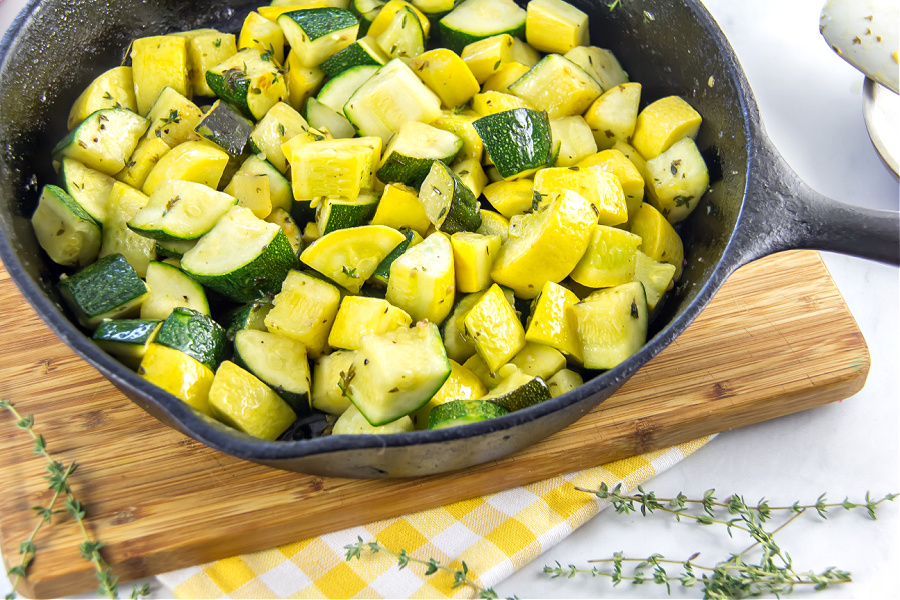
756, 206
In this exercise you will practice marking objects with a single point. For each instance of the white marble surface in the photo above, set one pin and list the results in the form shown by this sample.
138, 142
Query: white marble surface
811, 105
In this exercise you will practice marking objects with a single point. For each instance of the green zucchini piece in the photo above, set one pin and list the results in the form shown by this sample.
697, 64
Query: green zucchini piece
341, 213
352, 422
250, 81
324, 118
242, 258
474, 20
317, 33
518, 141
279, 188
127, 339
612, 324
195, 334
364, 51
224, 127
104, 140
459, 346
279, 362
66, 232
174, 249
519, 391
90, 188
463, 412
366, 11
404, 37
382, 382
181, 210
249, 316
336, 92
383, 271
410, 153
107, 289
328, 374
281, 218
169, 289
391, 98
449, 204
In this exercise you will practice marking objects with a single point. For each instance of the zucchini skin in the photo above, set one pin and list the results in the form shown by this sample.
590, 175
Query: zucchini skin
195, 334
518, 141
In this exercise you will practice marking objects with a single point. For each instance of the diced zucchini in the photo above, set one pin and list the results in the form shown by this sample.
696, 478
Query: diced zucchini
494, 328
609, 260
124, 202
463, 412
279, 7
663, 123
366, 11
242, 258
181, 210
107, 289
538, 360
250, 81
383, 273
462, 384
112, 89
279, 187
493, 223
388, 12
179, 374
64, 229
158, 62
88, 187
206, 49
612, 324
447, 75
352, 422
550, 244
278, 361
486, 57
281, 218
142, 161
422, 280
350, 256
359, 316
404, 37
391, 98
555, 26
601, 189
558, 86
304, 310
169, 289
224, 127
244, 402
334, 168
599, 63
173, 118
461, 126
317, 33
659, 240
564, 381
474, 20
364, 51
678, 179
104, 140
517, 391
249, 316
127, 339
396, 373
199, 162
409, 156
657, 278
573, 140
264, 35
400, 207
324, 118
473, 258
303, 82
449, 204
279, 125
338, 91
510, 198
340, 213
517, 141
195, 334
328, 374
174, 249
252, 191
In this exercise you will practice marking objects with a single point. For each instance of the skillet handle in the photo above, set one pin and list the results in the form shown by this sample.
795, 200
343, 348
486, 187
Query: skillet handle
783, 213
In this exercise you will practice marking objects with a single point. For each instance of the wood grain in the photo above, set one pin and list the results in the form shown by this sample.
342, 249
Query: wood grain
777, 339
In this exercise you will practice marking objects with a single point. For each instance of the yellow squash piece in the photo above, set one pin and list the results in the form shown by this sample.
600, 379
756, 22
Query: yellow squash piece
206, 49
485, 57
601, 189
558, 86
678, 179
555, 26
302, 82
551, 243
359, 316
572, 140
179, 374
422, 280
552, 323
473, 258
173, 118
609, 260
252, 191
663, 123
244, 402
495, 329
200, 162
504, 77
612, 116
659, 240
386, 15
304, 310
261, 33
538, 360
333, 168
489, 103
143, 159
613, 161
447, 75
400, 207
510, 198
350, 256
462, 384
493, 223
158, 62
112, 89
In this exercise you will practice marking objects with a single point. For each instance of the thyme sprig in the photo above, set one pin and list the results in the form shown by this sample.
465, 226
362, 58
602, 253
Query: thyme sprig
58, 481
432, 566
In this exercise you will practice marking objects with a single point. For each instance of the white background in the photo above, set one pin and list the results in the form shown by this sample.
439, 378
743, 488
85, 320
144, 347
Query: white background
811, 104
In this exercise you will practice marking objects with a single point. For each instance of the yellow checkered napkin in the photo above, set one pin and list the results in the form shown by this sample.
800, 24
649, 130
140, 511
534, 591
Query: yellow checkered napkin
495, 535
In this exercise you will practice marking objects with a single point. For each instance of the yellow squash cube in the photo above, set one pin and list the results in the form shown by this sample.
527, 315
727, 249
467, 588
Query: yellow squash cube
158, 62
181, 375
447, 75
612, 117
663, 123
473, 258
244, 402
601, 189
304, 310
552, 323
485, 57
494, 327
555, 26
359, 316
659, 240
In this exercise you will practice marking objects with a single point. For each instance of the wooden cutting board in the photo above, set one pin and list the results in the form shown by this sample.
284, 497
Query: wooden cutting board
777, 339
